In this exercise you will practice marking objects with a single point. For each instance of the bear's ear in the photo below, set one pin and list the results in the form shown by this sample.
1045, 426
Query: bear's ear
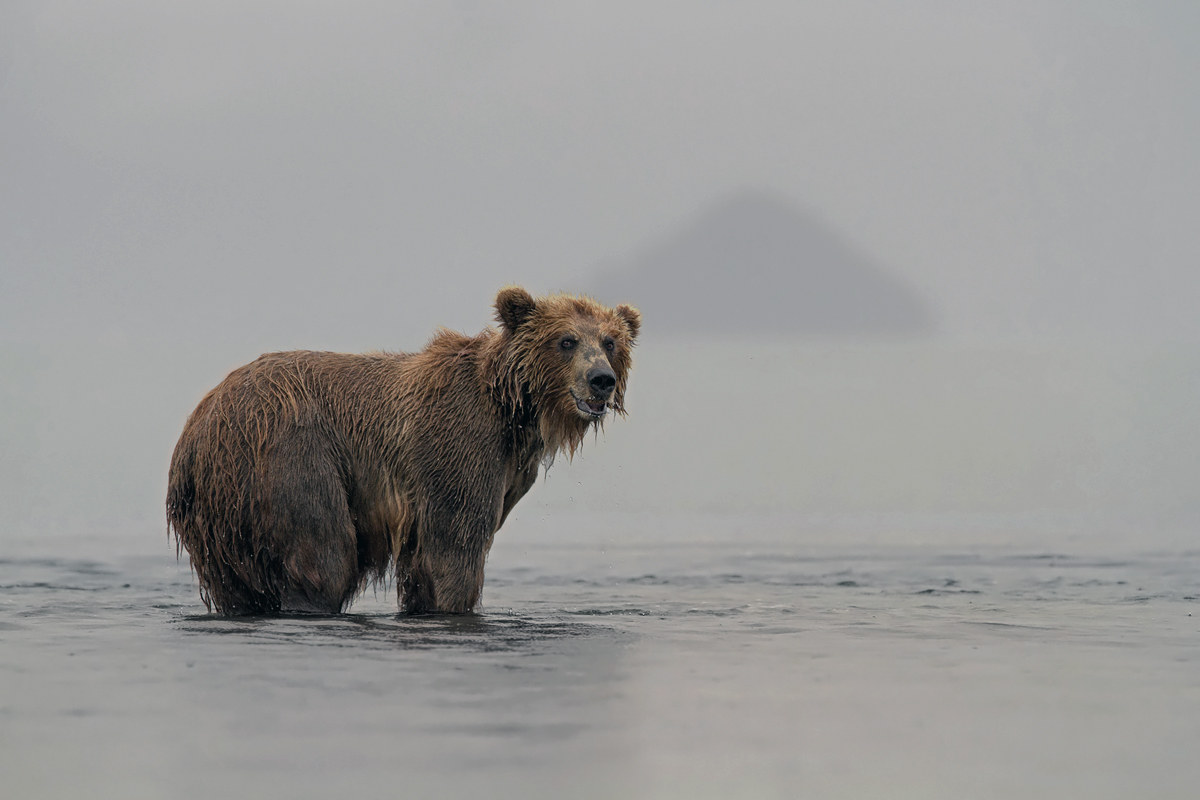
632, 317
513, 306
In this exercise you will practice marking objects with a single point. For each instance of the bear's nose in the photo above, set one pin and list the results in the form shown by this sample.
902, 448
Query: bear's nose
601, 380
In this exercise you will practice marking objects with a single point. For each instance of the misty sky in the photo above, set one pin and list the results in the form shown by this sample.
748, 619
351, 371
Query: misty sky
351, 174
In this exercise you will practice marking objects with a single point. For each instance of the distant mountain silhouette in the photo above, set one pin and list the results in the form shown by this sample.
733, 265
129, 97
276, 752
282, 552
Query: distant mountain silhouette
756, 264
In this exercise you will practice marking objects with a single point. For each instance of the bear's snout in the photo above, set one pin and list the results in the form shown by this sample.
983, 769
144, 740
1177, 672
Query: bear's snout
601, 381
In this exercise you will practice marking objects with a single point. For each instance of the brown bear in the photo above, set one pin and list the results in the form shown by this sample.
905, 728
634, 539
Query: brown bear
305, 475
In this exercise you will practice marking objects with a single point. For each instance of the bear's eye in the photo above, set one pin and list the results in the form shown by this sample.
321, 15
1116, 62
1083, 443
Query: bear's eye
567, 343
610, 345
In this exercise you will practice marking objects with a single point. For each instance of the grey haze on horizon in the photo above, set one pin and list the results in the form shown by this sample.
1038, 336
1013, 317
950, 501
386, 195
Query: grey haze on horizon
280, 174
1002, 197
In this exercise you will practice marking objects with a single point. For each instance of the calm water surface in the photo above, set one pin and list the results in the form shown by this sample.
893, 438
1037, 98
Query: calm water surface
684, 669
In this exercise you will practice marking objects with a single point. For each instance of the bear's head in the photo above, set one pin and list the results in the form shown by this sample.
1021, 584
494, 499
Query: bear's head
570, 357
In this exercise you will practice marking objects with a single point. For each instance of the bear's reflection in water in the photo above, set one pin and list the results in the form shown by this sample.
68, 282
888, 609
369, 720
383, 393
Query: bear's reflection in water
469, 632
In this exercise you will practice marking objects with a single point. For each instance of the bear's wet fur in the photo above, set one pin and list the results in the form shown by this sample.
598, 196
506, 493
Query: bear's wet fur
303, 476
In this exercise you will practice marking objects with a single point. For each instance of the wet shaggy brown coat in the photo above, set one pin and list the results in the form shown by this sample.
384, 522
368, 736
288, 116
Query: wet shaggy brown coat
305, 475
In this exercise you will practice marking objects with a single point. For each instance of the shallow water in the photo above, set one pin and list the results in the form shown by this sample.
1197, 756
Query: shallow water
761, 668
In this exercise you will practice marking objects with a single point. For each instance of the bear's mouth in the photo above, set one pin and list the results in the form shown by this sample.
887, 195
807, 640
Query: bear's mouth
593, 409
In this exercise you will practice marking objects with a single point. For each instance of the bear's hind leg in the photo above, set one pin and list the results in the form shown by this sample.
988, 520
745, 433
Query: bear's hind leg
310, 526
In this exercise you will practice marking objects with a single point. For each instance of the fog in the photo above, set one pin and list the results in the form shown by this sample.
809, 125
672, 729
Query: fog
895, 259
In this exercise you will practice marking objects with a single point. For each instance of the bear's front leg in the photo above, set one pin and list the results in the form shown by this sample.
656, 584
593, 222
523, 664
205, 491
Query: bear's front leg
445, 575
441, 581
